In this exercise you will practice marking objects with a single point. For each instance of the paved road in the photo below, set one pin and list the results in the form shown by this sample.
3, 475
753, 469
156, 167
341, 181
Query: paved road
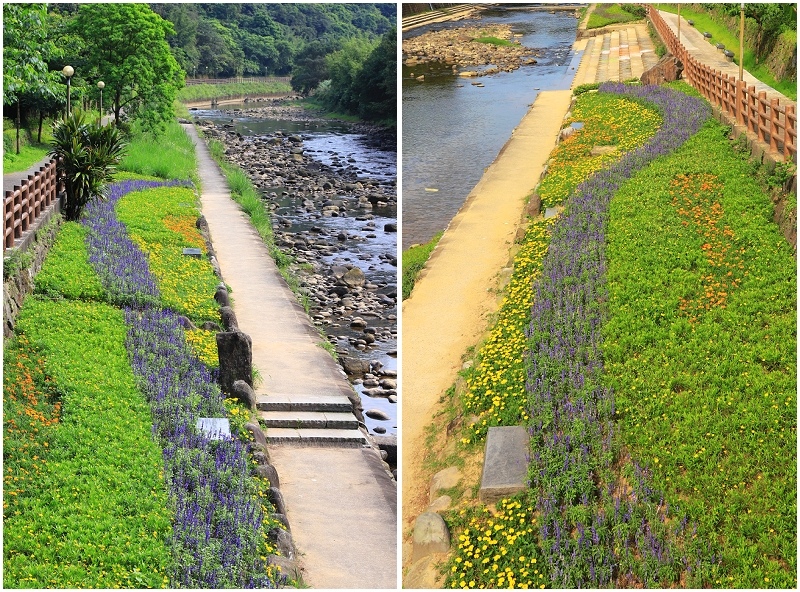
341, 504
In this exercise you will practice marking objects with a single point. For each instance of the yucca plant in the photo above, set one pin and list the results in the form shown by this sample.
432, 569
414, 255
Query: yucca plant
89, 154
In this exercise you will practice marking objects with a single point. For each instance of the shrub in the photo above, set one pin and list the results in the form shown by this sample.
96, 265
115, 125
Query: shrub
89, 153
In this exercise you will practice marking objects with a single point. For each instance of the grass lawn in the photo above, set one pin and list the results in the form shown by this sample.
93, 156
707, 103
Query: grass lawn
414, 260
609, 14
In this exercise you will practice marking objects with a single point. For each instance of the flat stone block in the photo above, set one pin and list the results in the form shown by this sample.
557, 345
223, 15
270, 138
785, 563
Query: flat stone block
505, 463
193, 252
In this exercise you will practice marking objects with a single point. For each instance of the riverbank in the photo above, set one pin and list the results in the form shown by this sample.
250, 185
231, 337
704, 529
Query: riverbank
438, 329
339, 226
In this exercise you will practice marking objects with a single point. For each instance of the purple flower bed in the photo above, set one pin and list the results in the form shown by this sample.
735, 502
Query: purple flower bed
218, 518
217, 537
595, 530
118, 261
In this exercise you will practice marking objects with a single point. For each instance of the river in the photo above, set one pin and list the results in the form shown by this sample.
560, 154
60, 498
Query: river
453, 130
352, 237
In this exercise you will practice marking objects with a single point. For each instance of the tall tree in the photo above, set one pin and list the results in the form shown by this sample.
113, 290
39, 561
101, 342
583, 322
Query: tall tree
26, 50
127, 49
376, 83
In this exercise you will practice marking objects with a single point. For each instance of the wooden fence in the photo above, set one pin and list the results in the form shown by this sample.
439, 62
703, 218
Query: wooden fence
237, 80
28, 201
774, 124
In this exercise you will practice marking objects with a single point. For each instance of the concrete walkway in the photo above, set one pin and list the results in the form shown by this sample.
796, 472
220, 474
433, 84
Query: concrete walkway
705, 51
616, 54
341, 503
449, 308
12, 179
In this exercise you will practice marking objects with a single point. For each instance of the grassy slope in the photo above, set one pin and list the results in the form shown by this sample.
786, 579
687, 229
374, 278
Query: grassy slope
414, 260
720, 34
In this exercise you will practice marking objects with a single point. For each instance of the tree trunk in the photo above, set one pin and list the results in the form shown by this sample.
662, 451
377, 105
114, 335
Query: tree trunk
41, 121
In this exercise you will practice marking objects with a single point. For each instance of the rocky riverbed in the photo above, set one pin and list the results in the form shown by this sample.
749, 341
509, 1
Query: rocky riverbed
339, 225
458, 48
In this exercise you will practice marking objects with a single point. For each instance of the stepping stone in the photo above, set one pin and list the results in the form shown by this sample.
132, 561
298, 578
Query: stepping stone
505, 463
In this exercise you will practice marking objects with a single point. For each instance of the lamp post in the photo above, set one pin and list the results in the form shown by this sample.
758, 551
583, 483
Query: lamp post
68, 71
741, 41
101, 85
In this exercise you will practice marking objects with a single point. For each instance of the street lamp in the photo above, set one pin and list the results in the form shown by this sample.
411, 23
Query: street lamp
68, 71
101, 85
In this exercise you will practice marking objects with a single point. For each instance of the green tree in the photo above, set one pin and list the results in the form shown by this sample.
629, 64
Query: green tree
26, 49
127, 48
310, 67
375, 86
344, 66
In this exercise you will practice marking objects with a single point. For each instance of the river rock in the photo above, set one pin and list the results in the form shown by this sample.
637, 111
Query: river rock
430, 536
354, 278
377, 414
354, 366
389, 384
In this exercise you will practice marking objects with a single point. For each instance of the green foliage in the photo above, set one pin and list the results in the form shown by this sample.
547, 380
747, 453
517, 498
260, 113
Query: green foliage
162, 222
201, 92
127, 49
363, 79
414, 260
700, 348
582, 88
310, 67
170, 155
84, 502
66, 271
90, 153
609, 14
494, 41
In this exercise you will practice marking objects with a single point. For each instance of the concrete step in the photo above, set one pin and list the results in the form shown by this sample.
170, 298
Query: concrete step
305, 402
339, 438
309, 419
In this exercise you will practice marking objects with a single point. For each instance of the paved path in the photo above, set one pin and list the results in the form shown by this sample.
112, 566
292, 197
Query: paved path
341, 504
706, 52
11, 179
449, 308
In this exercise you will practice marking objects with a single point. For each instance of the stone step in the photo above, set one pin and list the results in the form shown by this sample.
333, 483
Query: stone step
309, 419
336, 438
321, 403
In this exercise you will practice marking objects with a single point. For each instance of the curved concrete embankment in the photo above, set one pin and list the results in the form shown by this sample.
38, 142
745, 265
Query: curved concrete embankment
450, 306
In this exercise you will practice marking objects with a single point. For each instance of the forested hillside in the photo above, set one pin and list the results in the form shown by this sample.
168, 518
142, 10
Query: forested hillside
223, 40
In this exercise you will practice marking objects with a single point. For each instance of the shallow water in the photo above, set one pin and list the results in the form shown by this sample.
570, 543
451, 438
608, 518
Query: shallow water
453, 130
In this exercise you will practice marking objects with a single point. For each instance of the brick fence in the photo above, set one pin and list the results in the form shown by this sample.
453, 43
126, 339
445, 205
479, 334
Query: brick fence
772, 123
28, 201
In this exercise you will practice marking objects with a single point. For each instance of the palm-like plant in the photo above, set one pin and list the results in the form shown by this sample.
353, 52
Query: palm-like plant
88, 154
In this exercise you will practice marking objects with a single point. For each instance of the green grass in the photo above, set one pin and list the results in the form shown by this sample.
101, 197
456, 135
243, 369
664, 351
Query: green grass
168, 156
84, 500
609, 14
202, 92
28, 156
721, 34
414, 260
66, 271
700, 349
494, 41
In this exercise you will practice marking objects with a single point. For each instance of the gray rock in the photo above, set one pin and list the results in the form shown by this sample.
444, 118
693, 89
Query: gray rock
269, 473
286, 566
444, 479
244, 393
354, 278
221, 296
228, 318
377, 414
276, 498
505, 464
186, 323
379, 430
440, 504
389, 383
258, 435
283, 539
391, 227
354, 366
235, 351
211, 326
430, 536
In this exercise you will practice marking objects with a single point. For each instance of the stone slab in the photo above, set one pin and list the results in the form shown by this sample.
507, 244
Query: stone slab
303, 402
316, 437
309, 419
505, 463
216, 428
